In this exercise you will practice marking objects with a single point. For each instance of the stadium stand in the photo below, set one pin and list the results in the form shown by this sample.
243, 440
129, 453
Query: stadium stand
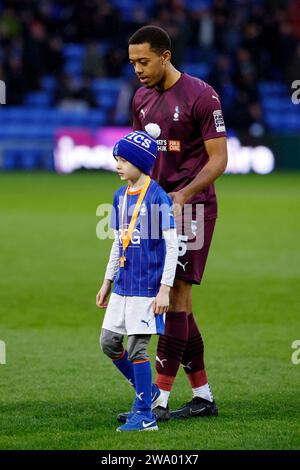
65, 65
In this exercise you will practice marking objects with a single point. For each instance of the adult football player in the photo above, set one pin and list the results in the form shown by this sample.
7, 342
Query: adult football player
192, 155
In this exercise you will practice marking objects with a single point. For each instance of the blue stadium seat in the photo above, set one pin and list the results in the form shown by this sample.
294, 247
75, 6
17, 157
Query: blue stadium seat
274, 120
128, 70
11, 159
33, 115
47, 160
24, 115
291, 122
30, 159
107, 84
271, 103
107, 91
11, 131
282, 104
273, 88
76, 119
73, 51
38, 98
27, 159
106, 100
128, 7
8, 110
200, 69
198, 5
73, 67
48, 83
97, 118
31, 122
44, 131
26, 130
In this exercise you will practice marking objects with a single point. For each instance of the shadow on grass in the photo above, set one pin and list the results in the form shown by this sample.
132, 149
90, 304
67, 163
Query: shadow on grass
89, 415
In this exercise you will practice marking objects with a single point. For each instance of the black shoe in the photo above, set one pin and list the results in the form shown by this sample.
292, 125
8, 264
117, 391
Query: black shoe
122, 417
161, 413
197, 407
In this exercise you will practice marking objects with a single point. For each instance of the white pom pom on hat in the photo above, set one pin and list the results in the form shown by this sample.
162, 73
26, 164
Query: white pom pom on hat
153, 130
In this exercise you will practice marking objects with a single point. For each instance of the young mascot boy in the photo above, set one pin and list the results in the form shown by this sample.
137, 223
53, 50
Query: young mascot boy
142, 265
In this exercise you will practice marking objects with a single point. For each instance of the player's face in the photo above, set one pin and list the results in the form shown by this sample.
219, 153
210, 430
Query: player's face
148, 65
126, 170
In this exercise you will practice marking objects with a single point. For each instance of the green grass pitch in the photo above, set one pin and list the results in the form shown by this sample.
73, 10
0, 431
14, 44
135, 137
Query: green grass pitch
58, 391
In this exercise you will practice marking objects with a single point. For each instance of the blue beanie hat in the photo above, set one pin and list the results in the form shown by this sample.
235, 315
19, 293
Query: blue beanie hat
138, 148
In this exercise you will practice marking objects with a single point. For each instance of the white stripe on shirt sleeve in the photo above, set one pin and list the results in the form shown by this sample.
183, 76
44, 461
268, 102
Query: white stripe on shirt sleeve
113, 263
171, 240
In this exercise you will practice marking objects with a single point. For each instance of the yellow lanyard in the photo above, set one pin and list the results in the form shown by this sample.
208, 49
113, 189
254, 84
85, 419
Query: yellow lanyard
126, 238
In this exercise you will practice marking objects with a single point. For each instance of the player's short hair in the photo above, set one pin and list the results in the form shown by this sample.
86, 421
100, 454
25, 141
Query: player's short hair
157, 37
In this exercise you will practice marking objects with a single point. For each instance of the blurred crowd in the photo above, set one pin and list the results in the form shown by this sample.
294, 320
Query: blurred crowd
242, 42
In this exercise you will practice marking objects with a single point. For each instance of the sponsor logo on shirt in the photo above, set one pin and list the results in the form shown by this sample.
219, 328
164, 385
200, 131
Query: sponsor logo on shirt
219, 121
135, 237
169, 145
162, 145
174, 146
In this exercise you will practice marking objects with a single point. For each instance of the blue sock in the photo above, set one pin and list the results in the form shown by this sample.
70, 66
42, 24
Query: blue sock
126, 368
143, 386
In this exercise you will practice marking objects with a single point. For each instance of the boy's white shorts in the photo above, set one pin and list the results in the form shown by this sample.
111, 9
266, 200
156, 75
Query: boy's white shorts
132, 316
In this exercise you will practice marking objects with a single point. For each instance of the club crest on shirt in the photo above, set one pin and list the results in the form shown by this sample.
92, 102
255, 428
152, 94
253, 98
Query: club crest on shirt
194, 227
219, 121
176, 114
143, 209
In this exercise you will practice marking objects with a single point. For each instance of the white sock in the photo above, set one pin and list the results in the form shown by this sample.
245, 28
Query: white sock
163, 398
203, 392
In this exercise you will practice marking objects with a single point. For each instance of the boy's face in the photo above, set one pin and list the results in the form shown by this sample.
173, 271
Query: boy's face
126, 170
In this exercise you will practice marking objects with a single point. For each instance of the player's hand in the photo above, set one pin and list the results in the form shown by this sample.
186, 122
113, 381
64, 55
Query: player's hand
161, 303
101, 297
178, 202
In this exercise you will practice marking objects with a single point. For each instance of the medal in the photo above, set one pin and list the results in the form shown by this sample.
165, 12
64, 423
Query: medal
126, 238
122, 261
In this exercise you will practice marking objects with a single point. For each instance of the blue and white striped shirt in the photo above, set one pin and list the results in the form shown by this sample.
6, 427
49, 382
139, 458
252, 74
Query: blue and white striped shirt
145, 255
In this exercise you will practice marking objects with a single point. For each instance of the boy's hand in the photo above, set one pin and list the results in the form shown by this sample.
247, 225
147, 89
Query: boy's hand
161, 302
101, 297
